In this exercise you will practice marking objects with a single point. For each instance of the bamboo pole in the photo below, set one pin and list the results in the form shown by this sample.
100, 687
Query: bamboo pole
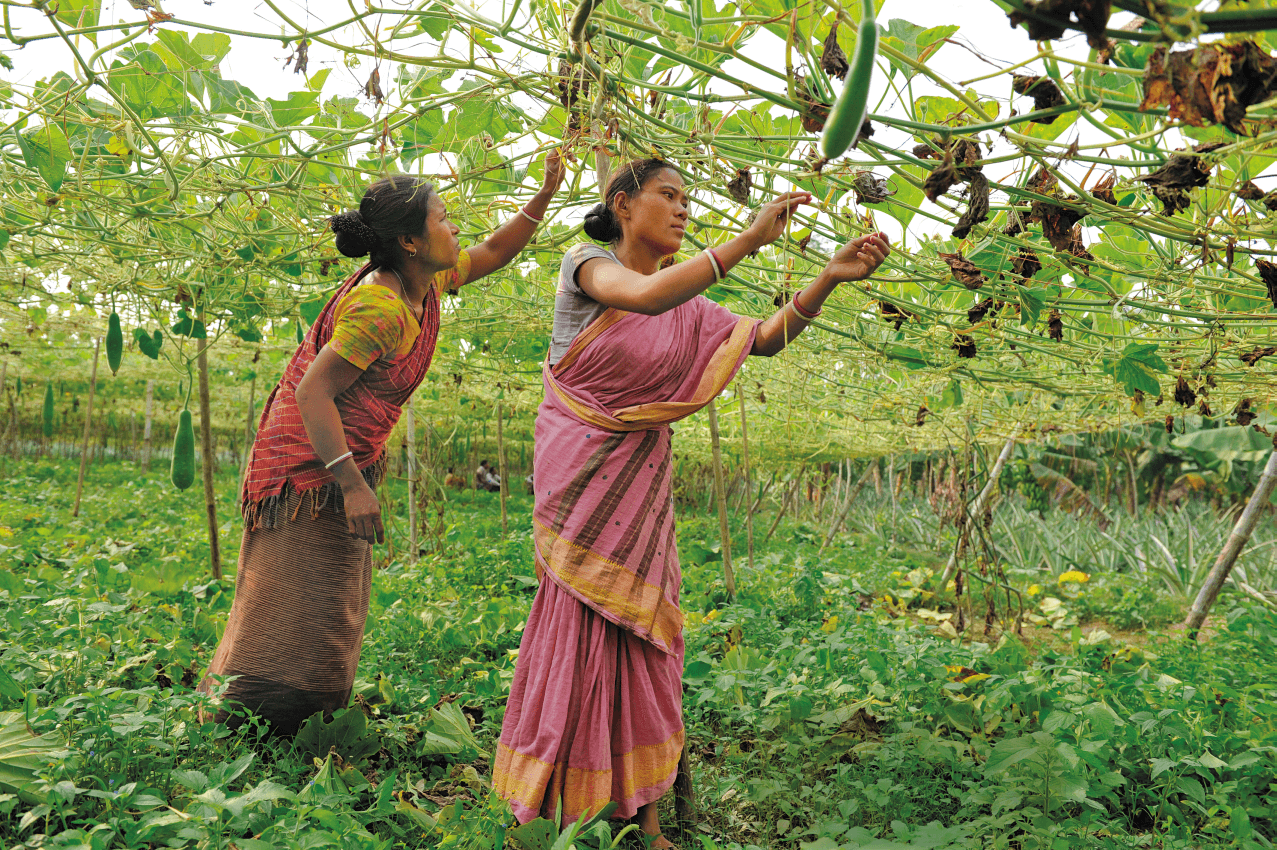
720, 494
88, 426
749, 487
206, 444
784, 506
977, 507
501, 471
146, 426
1228, 555
411, 427
846, 508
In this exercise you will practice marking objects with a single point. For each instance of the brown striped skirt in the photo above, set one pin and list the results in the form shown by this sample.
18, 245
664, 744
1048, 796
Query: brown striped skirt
297, 624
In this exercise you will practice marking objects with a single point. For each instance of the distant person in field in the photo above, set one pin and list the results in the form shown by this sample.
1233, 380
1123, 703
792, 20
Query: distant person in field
454, 481
595, 710
486, 479
311, 516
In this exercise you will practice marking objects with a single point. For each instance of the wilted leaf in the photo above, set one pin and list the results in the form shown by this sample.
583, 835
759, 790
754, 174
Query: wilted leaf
1250, 358
964, 345
977, 205
1210, 84
1248, 191
1103, 191
832, 60
1026, 264
1045, 93
1055, 326
739, 186
1184, 393
1090, 16
966, 272
1268, 272
1057, 222
870, 189
976, 314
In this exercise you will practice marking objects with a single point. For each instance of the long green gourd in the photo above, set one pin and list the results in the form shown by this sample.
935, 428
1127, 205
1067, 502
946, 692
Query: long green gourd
114, 342
182, 471
581, 18
848, 114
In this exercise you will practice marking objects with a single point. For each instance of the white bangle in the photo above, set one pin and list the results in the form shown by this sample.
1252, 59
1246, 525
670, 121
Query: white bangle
713, 263
529, 216
338, 460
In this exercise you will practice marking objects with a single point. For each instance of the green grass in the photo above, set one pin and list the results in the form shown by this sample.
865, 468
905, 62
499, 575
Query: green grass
828, 707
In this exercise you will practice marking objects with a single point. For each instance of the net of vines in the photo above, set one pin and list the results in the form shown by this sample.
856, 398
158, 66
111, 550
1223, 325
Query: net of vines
1082, 227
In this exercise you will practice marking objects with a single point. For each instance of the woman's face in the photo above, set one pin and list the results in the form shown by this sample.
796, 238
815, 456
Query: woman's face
441, 244
657, 215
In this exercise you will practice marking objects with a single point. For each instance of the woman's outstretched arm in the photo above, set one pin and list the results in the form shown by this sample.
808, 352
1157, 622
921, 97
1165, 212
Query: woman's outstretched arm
856, 260
505, 243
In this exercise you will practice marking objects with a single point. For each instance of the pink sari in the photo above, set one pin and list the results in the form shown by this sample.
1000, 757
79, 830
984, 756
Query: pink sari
595, 710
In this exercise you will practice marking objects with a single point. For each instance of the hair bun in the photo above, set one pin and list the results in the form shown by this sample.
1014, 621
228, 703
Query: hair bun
601, 224
354, 237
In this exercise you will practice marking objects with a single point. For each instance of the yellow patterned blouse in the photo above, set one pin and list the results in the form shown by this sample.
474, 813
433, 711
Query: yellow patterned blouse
372, 323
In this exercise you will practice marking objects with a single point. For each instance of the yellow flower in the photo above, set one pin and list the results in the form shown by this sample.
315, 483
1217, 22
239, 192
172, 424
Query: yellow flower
1034, 589
830, 625
1075, 576
712, 615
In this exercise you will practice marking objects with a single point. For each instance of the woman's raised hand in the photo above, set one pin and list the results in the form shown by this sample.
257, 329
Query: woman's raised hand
555, 169
772, 217
859, 258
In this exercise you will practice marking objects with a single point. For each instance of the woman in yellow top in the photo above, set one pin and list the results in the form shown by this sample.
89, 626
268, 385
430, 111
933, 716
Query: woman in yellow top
311, 517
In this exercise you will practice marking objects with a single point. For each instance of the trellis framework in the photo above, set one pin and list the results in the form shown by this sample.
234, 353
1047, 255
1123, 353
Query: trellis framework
1059, 263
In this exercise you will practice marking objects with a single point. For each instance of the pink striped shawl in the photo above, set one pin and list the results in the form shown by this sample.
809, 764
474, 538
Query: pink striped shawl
604, 517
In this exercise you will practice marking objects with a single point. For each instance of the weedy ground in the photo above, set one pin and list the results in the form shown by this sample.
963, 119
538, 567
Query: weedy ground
831, 705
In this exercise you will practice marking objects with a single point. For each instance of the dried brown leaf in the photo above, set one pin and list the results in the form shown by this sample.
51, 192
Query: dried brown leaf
1055, 326
372, 88
964, 345
832, 60
1250, 358
977, 205
739, 186
1045, 93
1268, 272
1210, 84
870, 189
1103, 191
1184, 393
1248, 191
1026, 264
976, 314
965, 271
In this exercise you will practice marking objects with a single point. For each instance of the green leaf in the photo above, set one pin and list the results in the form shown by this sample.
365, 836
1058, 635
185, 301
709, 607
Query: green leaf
911, 357
296, 109
203, 52
1137, 368
46, 150
1031, 303
911, 40
148, 344
79, 14
148, 87
448, 732
348, 732
22, 755
193, 328
9, 689
952, 395
435, 20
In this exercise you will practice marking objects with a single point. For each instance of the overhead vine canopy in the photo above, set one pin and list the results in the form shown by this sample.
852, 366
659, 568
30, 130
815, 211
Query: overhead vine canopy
1081, 237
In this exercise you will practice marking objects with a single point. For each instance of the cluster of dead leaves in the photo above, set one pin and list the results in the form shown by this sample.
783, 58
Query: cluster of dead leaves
1210, 84
959, 164
574, 86
738, 187
1045, 93
1183, 171
870, 189
1048, 19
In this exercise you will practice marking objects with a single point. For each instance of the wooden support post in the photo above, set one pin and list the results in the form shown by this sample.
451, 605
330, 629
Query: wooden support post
1228, 555
88, 426
749, 487
720, 494
846, 508
977, 507
784, 506
206, 445
501, 472
146, 426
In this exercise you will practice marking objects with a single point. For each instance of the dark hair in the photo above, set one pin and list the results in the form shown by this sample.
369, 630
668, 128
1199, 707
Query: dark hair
392, 207
601, 223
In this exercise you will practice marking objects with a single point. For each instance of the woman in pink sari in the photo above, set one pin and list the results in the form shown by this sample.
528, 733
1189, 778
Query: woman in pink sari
595, 710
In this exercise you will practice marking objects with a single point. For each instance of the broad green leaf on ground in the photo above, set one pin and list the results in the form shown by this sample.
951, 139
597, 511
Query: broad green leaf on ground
347, 732
22, 755
448, 732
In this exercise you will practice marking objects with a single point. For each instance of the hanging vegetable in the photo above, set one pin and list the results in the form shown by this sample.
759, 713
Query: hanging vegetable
580, 19
182, 472
48, 410
114, 342
848, 114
